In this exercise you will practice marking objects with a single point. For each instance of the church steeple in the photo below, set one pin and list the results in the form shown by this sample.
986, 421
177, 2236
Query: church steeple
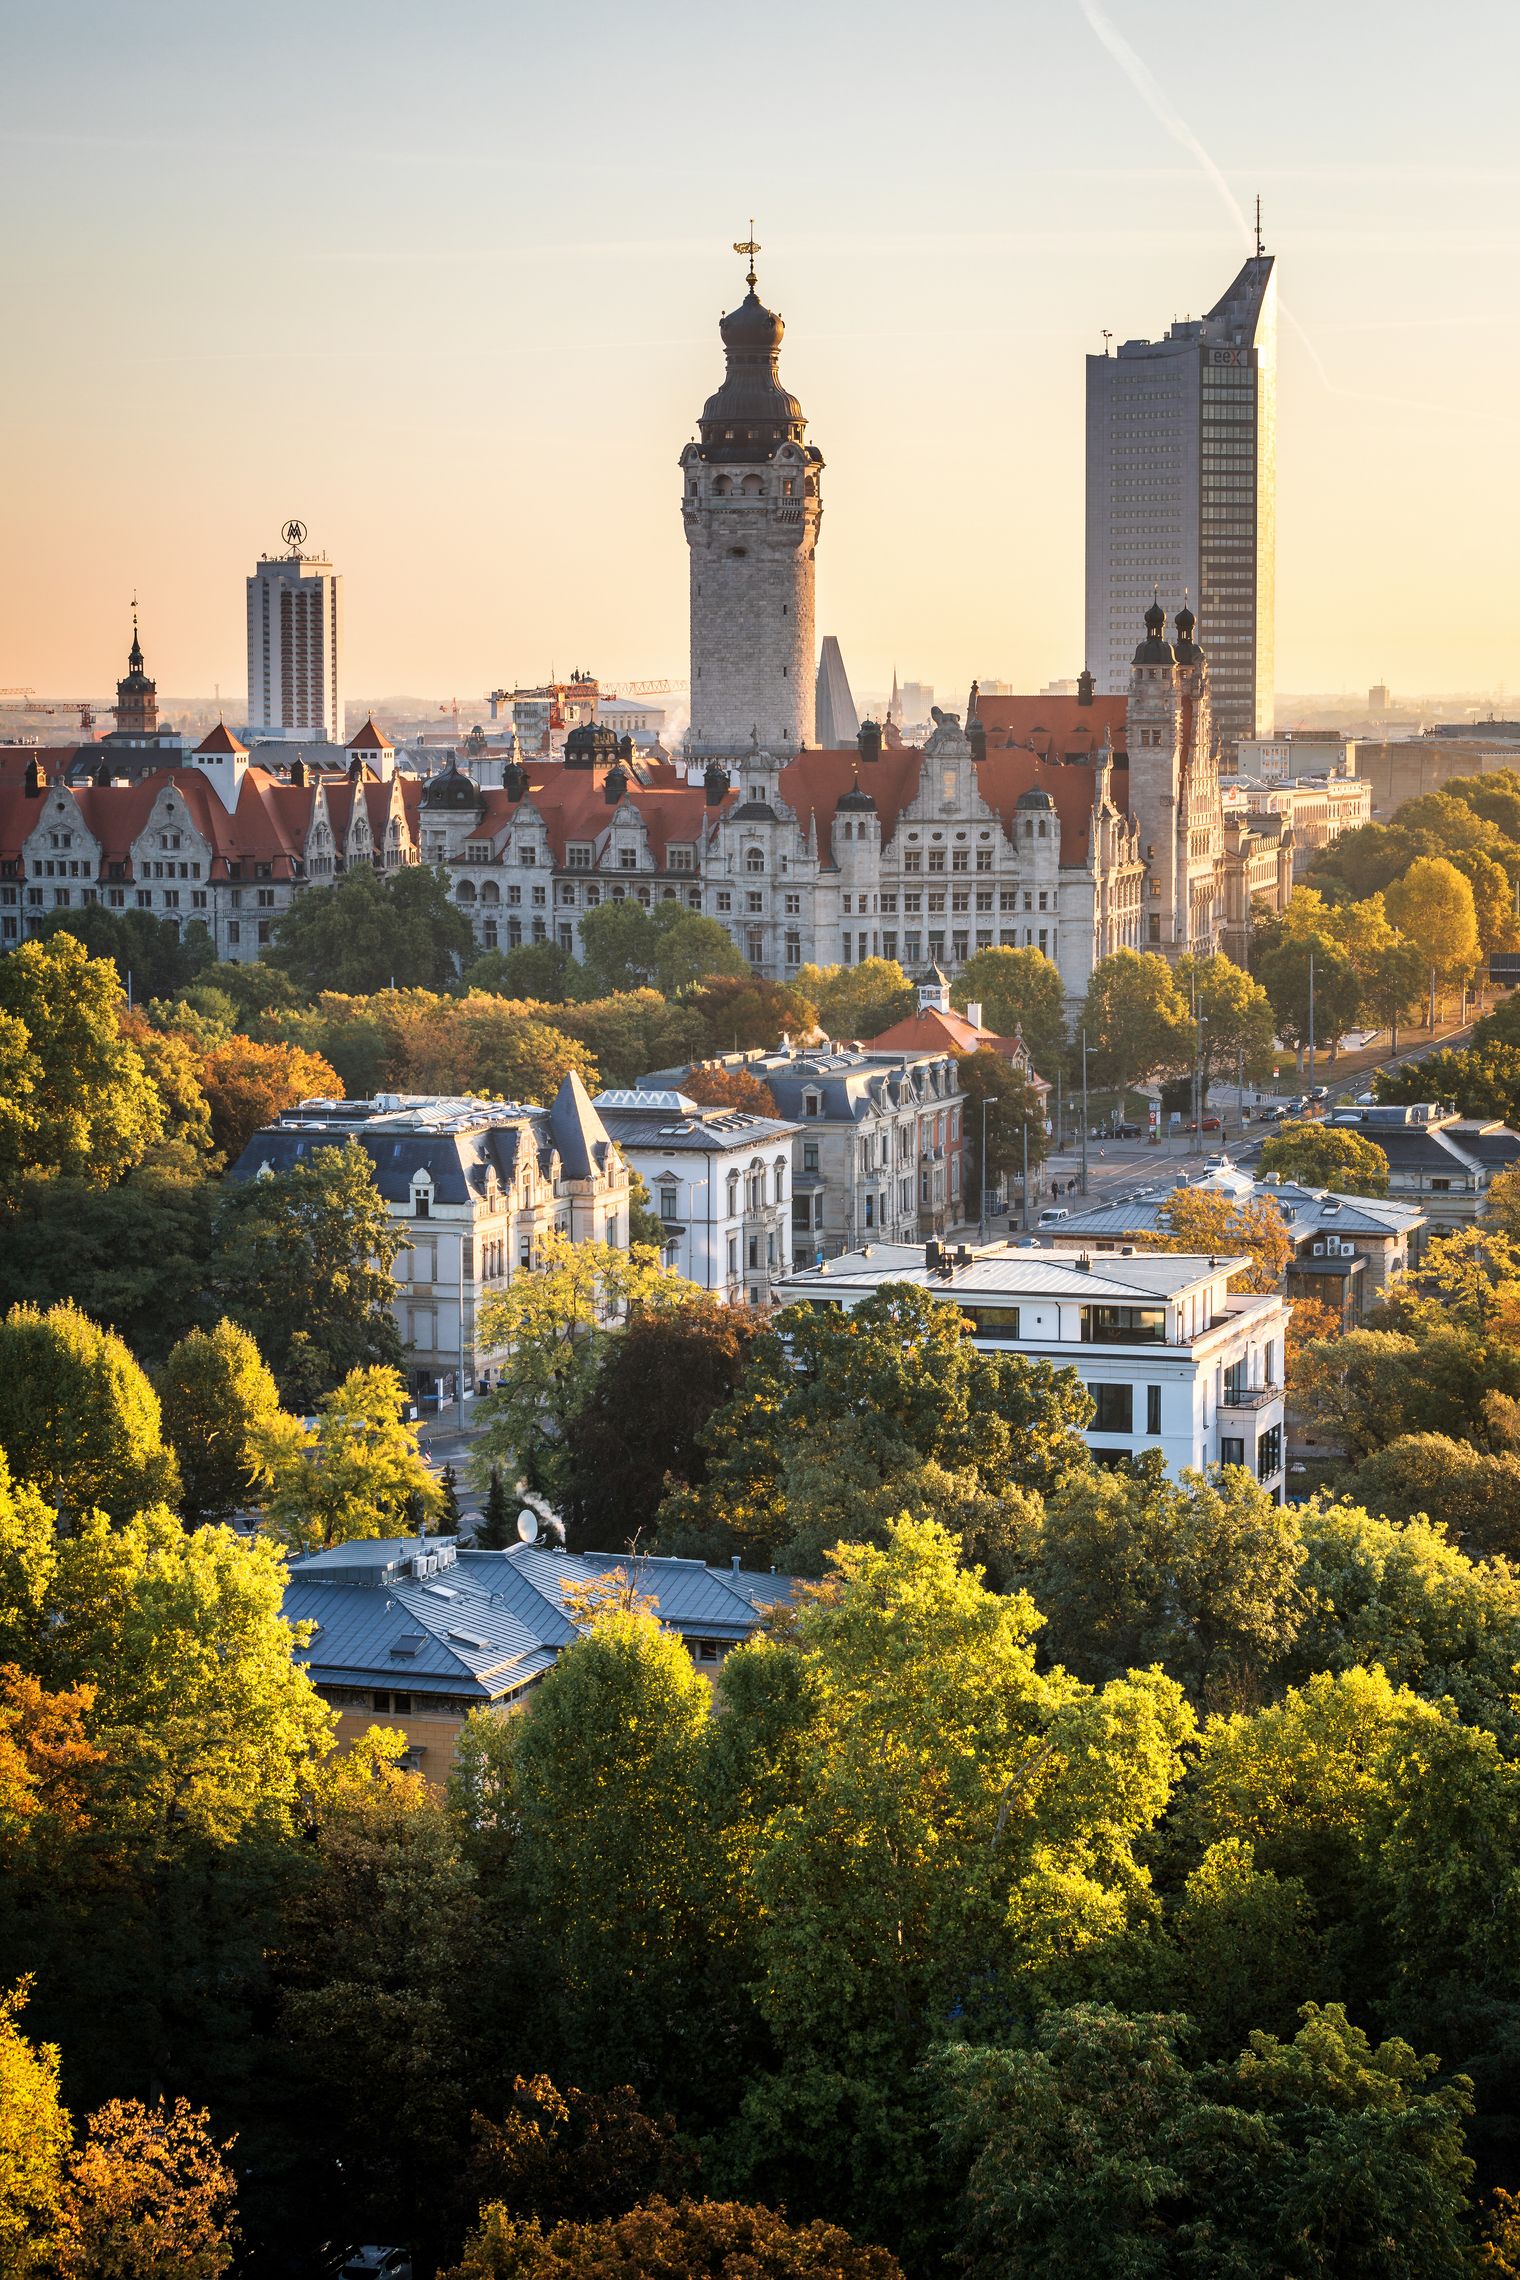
136, 706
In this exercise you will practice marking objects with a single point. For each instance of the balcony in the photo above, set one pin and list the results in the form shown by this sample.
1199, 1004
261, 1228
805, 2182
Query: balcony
1247, 1397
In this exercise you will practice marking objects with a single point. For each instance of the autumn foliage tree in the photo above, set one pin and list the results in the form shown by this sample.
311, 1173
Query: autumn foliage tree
247, 1085
710, 1085
1211, 1224
699, 2240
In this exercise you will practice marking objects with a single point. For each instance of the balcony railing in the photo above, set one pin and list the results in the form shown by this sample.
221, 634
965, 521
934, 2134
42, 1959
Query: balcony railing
1249, 1396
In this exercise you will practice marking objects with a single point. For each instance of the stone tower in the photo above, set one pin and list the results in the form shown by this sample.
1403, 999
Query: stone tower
136, 706
751, 509
1174, 794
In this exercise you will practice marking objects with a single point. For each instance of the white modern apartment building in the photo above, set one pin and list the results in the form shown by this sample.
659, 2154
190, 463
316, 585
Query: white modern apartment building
295, 645
1182, 495
477, 1185
1171, 1357
720, 1180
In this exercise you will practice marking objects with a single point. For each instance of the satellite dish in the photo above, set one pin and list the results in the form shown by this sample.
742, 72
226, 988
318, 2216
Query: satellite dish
527, 1526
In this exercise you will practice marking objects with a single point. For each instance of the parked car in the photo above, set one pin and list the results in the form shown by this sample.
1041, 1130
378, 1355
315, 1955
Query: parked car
1053, 1214
1205, 1124
1319, 1092
1129, 1131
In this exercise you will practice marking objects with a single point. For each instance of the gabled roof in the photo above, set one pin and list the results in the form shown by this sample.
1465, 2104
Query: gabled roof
220, 739
579, 1133
942, 1029
370, 739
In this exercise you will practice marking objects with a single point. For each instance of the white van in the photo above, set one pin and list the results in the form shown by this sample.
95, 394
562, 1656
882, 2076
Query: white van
1053, 1214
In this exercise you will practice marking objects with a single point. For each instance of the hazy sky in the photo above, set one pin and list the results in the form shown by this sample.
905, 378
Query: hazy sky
444, 282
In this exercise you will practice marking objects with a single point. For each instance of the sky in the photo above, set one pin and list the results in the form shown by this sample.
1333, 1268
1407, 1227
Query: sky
444, 282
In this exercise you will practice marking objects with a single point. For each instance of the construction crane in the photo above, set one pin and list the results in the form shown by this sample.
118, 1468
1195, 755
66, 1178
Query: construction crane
26, 701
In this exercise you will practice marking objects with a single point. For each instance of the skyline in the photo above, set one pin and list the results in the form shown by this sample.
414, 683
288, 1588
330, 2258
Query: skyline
412, 244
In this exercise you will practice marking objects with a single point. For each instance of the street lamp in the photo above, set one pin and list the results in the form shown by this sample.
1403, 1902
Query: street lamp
1084, 1112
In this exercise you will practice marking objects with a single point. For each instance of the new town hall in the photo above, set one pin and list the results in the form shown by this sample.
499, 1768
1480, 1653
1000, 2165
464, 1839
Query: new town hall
1076, 825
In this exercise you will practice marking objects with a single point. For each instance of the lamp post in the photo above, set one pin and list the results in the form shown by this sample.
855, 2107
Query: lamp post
1084, 1112
1311, 1016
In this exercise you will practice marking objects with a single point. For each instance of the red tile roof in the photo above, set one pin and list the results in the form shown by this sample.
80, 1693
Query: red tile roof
1055, 726
221, 739
815, 782
933, 1030
370, 739
573, 806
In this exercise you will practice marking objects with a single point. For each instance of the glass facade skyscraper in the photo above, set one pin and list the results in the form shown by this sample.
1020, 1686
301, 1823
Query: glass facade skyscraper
1182, 496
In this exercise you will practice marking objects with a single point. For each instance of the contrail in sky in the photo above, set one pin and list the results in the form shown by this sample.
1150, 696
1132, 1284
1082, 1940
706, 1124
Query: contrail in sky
1145, 84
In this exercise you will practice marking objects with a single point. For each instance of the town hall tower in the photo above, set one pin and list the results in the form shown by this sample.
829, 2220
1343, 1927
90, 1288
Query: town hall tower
751, 508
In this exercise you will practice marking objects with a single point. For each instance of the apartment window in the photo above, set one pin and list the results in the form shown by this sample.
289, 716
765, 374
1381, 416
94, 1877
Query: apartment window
984, 858
668, 1199
1123, 1325
936, 858
809, 1156
628, 858
1153, 1409
683, 859
960, 859
793, 906
912, 861
1113, 1408
754, 859
1232, 1451
725, 901
578, 858
993, 1321
812, 1104
1269, 1453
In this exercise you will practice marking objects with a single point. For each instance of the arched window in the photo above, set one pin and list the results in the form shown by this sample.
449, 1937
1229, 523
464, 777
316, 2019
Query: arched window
466, 890
781, 1179
752, 486
733, 1193
754, 859
722, 487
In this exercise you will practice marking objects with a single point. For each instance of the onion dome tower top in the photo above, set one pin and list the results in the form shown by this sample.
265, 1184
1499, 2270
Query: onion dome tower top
1155, 649
751, 413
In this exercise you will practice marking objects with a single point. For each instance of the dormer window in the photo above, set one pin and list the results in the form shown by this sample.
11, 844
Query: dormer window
422, 1198
578, 856
812, 1104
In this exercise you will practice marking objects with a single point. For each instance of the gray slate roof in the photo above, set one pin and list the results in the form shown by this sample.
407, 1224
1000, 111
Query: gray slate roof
425, 1616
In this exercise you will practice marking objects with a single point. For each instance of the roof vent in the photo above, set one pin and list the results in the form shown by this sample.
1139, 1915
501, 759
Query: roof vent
1083, 1263
409, 1643
468, 1639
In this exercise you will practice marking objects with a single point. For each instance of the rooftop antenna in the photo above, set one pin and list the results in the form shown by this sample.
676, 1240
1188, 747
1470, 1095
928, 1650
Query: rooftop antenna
1107, 337
748, 246
1258, 225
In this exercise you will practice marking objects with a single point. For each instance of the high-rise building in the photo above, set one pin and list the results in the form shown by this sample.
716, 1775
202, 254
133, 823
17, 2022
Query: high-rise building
751, 509
1182, 495
295, 681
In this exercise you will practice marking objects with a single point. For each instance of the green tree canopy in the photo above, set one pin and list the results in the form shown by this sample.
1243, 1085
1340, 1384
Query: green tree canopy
1018, 990
1099, 2150
1136, 1019
838, 1411
220, 1402
79, 1420
356, 1472
1334, 1156
1236, 1024
303, 1260
371, 928
860, 1000
743, 1011
555, 1322
1015, 1120
152, 958
1200, 1575
137, 1255
89, 1107
1473, 1494
1306, 977
539, 970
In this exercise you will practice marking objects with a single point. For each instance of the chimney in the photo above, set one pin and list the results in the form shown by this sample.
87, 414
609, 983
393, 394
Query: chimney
868, 740
974, 1013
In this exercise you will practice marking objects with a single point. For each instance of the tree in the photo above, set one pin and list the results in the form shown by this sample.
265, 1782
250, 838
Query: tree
1207, 1223
1362, 1389
689, 947
1019, 991
91, 1109
149, 2192
136, 1254
247, 1085
1330, 1156
618, 943
219, 1403
700, 2240
1397, 1594
555, 1323
837, 1412
34, 2145
608, 1891
377, 1977
639, 1429
963, 1832
1483, 1081
303, 1260
78, 1419
368, 929
150, 955
174, 1072
1236, 1025
1136, 1020
1199, 1575
1393, 985
541, 971
1493, 899
479, 1044
1433, 905
628, 1035
209, 1728
1015, 1120
497, 1528
739, 1012
710, 1085
572, 2154
860, 1000
1312, 983
357, 1472
1474, 1496
1100, 2151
